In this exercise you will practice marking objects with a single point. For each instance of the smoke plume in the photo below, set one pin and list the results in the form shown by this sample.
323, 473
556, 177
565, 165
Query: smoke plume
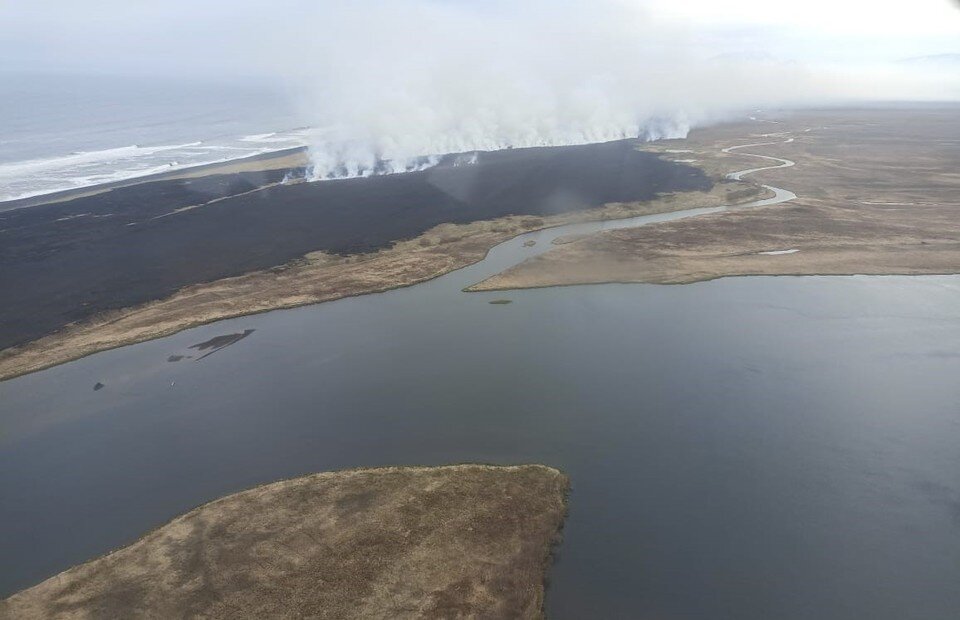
388, 84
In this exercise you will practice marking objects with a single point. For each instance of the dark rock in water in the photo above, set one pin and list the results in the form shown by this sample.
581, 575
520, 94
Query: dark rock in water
220, 342
98, 386
174, 358
501, 302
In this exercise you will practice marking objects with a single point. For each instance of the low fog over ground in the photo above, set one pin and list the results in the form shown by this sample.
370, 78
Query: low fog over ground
389, 81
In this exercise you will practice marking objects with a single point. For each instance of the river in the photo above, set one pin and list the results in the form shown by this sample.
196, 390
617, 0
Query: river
744, 448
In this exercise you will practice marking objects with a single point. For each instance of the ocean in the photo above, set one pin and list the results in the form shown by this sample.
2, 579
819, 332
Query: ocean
61, 132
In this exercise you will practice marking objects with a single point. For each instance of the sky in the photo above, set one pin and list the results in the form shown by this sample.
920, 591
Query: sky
187, 36
917, 18
393, 80
826, 30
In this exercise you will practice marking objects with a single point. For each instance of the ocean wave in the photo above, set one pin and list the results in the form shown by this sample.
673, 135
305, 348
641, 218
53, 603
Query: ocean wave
36, 177
258, 137
88, 157
294, 135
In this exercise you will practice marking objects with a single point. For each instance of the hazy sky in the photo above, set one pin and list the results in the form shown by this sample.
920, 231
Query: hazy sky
397, 79
835, 30
244, 36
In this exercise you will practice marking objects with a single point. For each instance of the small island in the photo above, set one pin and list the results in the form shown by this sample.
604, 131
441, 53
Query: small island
430, 542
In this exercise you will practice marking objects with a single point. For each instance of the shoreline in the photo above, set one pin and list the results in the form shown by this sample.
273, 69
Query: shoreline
74, 260
439, 251
274, 160
712, 278
96, 266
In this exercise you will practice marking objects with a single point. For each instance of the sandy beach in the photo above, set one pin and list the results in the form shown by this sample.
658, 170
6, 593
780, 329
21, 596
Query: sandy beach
286, 159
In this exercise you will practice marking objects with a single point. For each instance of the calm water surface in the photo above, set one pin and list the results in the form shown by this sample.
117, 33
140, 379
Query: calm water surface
743, 448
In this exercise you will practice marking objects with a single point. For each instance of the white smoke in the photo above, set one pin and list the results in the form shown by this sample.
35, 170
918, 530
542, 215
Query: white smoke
390, 84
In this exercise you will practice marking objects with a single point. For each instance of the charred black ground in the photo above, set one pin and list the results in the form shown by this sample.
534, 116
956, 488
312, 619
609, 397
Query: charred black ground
68, 261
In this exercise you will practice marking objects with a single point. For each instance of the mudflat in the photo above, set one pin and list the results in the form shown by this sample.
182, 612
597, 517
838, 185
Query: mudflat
878, 193
441, 542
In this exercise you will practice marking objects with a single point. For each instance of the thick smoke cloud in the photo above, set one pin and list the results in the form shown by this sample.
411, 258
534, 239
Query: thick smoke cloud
388, 83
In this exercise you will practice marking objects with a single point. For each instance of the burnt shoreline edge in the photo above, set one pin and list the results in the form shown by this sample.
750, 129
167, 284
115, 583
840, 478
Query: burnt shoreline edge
78, 259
